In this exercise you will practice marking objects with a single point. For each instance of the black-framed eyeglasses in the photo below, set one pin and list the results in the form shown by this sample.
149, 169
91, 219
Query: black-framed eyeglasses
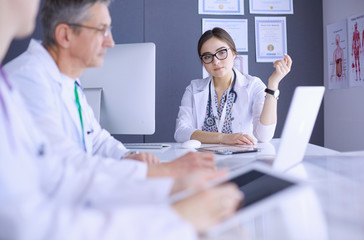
209, 58
105, 31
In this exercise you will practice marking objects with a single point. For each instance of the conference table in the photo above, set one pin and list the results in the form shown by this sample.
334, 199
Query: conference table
329, 204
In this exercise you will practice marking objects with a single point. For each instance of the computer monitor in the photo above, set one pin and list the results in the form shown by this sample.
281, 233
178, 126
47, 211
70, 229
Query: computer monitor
123, 89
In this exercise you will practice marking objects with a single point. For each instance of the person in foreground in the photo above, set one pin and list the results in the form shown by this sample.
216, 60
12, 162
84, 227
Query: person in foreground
76, 35
228, 107
27, 212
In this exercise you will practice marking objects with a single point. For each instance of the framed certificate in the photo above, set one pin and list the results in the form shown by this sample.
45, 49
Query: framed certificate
221, 7
271, 7
270, 38
237, 28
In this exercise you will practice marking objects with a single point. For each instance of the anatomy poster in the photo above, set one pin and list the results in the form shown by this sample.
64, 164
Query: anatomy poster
356, 50
337, 55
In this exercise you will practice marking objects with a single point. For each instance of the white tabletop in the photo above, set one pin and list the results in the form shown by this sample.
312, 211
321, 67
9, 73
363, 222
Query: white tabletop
266, 149
330, 206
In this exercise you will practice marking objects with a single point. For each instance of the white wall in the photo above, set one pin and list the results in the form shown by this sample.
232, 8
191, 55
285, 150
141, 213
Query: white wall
343, 108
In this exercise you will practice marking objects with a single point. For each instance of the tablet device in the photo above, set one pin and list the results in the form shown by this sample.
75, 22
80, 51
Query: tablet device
257, 185
263, 189
257, 182
228, 150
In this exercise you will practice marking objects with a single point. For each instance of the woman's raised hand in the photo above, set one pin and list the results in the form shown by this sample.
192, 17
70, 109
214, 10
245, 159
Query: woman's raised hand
282, 68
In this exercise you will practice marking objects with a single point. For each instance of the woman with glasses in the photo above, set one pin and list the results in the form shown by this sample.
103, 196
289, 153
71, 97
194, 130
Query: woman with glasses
228, 107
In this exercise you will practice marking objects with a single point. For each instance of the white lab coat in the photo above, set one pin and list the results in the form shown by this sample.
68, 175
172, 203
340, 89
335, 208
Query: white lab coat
245, 112
28, 211
49, 96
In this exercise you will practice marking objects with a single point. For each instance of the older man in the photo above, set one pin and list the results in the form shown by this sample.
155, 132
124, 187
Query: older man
76, 36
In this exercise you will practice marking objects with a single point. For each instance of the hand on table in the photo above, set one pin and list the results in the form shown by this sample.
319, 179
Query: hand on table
196, 180
183, 165
237, 139
143, 157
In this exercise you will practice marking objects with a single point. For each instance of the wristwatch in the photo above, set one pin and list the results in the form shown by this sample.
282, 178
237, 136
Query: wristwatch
275, 93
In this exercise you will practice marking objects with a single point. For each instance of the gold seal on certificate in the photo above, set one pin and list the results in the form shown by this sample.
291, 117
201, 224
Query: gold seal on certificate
221, 6
270, 47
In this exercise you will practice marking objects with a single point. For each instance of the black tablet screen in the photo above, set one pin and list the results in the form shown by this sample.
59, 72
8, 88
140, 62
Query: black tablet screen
257, 185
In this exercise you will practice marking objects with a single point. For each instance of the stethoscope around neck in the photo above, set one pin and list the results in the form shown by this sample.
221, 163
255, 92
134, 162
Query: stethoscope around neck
210, 120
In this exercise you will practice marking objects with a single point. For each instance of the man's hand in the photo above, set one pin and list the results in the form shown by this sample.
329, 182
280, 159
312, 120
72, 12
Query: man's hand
183, 165
196, 180
209, 207
143, 157
190, 162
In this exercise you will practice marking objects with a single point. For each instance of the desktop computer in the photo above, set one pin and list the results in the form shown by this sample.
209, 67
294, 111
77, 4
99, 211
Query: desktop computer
122, 91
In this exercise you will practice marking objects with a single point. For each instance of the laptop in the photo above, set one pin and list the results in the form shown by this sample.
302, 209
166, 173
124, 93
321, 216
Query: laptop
297, 130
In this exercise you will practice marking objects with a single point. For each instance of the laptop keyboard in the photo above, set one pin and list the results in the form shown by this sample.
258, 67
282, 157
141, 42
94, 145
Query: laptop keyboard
145, 145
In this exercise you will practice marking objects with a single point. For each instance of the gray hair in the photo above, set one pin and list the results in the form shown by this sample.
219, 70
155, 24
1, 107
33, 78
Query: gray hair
55, 12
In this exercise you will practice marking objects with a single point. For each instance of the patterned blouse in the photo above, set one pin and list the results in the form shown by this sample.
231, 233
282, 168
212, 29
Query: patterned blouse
228, 119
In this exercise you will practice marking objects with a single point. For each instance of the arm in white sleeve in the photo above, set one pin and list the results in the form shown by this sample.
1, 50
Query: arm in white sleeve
103, 143
130, 222
25, 213
151, 191
185, 123
34, 217
263, 133
110, 190
72, 161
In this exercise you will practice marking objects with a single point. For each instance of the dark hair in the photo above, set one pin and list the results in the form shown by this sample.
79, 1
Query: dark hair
218, 33
55, 12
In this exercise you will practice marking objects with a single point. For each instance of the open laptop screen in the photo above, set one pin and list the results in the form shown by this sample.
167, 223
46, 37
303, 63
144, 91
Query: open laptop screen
258, 185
